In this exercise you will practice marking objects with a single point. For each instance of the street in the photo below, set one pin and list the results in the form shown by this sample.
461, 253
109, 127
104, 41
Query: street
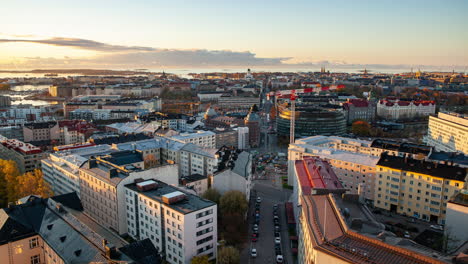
265, 244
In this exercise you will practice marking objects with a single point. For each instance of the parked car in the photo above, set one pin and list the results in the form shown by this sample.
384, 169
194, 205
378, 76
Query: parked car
253, 252
275, 207
259, 199
277, 228
279, 259
277, 240
437, 227
254, 237
407, 234
277, 234
255, 227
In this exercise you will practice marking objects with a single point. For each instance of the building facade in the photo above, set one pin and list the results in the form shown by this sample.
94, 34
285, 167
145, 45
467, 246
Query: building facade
448, 132
395, 109
417, 188
179, 224
27, 157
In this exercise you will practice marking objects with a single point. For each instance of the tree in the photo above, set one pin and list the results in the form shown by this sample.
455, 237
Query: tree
228, 255
233, 202
212, 195
150, 161
31, 183
8, 173
361, 128
200, 260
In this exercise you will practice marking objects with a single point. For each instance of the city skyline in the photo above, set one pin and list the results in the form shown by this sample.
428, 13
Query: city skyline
154, 34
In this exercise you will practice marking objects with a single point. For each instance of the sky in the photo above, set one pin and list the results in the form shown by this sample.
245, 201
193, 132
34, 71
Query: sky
221, 33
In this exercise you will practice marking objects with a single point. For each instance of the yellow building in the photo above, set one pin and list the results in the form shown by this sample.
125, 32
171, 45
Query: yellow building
417, 188
448, 132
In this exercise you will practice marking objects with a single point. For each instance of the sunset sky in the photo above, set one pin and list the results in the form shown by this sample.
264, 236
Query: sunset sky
153, 33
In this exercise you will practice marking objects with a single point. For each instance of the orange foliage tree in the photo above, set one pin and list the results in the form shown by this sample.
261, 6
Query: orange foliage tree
361, 128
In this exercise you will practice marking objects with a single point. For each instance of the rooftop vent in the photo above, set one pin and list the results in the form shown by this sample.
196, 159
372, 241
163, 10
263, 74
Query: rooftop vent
78, 252
173, 197
63, 238
49, 227
146, 185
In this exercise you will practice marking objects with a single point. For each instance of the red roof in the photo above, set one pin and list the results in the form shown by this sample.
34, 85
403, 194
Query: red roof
314, 173
358, 102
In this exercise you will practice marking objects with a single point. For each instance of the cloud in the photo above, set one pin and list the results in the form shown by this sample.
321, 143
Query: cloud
80, 44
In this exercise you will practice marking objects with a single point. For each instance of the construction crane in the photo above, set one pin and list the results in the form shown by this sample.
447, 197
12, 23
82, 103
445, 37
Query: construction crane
292, 97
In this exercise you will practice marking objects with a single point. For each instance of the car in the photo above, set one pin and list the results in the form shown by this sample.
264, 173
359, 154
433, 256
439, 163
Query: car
407, 234
256, 221
254, 237
256, 233
257, 206
277, 234
259, 199
275, 217
279, 259
277, 228
275, 213
255, 228
275, 207
253, 253
437, 227
277, 240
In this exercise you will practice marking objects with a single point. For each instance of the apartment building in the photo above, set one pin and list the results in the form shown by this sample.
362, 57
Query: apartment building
179, 224
27, 157
395, 109
242, 137
360, 155
41, 131
456, 218
196, 182
102, 181
60, 169
448, 132
46, 231
326, 215
205, 139
191, 159
237, 102
359, 109
417, 188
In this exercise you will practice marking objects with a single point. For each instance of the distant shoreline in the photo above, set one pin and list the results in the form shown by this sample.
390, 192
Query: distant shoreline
78, 71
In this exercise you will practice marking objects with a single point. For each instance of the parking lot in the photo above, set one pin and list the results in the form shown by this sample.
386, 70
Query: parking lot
265, 244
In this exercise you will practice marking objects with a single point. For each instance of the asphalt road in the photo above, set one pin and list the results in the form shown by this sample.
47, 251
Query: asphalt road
265, 244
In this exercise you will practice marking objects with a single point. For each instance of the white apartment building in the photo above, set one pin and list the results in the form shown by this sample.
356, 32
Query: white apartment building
192, 159
243, 137
448, 132
61, 169
179, 224
397, 109
353, 160
205, 139
102, 182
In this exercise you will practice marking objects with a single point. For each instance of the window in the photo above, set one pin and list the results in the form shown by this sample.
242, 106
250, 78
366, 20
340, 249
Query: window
33, 243
36, 259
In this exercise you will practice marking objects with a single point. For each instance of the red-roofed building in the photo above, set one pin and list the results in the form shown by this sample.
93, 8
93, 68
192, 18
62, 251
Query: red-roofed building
75, 131
28, 157
395, 109
359, 109
316, 176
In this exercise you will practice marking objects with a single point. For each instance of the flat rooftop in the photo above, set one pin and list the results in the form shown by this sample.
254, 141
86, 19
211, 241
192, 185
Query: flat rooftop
191, 204
444, 171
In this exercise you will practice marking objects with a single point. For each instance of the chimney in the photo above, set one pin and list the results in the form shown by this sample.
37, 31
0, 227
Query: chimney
406, 158
113, 172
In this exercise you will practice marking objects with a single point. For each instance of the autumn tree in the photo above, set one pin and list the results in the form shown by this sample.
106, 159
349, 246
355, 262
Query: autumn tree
31, 183
212, 195
8, 174
228, 255
150, 161
200, 260
361, 128
233, 202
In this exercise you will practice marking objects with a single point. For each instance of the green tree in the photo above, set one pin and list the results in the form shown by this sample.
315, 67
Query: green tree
233, 202
361, 128
228, 255
212, 195
200, 260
